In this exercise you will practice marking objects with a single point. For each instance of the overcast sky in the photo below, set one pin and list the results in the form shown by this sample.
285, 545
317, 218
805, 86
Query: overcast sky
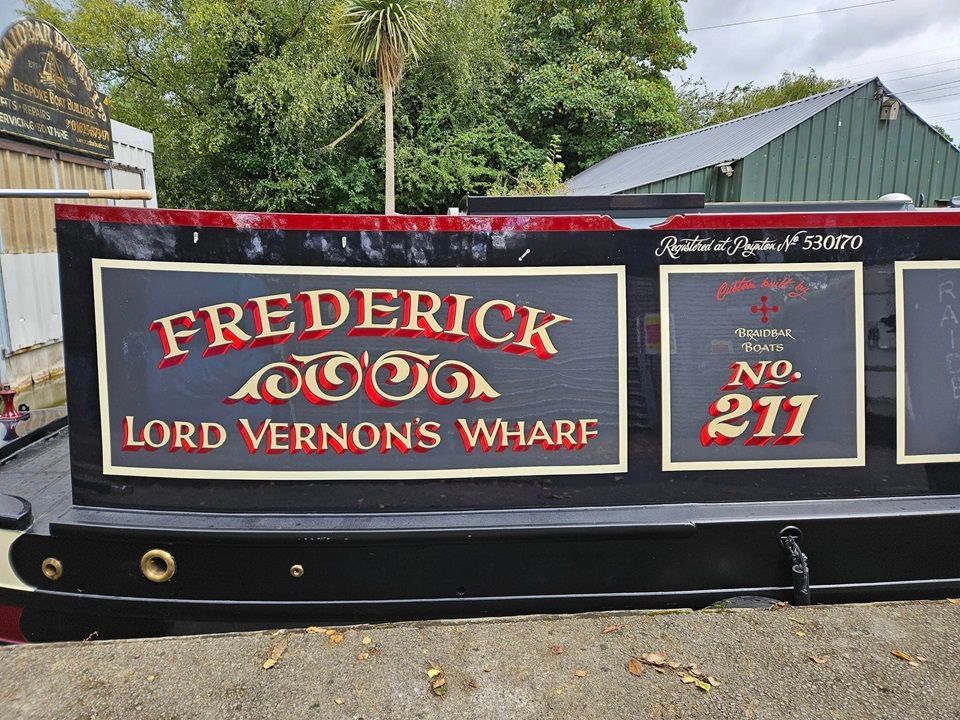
910, 44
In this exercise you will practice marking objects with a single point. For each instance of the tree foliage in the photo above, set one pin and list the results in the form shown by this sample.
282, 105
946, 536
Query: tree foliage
592, 73
700, 106
386, 34
252, 102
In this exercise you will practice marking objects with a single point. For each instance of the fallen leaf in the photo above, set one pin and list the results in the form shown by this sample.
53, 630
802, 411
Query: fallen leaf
687, 679
438, 683
653, 658
634, 667
339, 701
276, 653
798, 621
363, 656
556, 649
819, 660
314, 630
367, 640
673, 665
713, 681
779, 605
921, 658
800, 633
659, 669
903, 656
335, 639
487, 668
705, 686
580, 673
472, 684
611, 629
328, 631
953, 601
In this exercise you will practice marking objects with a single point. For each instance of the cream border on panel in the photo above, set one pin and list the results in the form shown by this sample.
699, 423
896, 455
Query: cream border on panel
667, 463
109, 468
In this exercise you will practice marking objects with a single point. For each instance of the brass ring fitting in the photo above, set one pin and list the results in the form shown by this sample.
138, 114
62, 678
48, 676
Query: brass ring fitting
296, 570
52, 568
157, 565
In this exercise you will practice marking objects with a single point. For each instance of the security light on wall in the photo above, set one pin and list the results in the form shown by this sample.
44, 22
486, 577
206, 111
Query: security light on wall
726, 168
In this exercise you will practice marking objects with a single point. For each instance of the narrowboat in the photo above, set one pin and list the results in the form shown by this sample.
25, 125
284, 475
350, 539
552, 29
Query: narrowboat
531, 405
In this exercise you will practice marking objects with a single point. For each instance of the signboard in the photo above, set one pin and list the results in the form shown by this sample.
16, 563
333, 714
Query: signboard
762, 366
280, 372
46, 93
928, 361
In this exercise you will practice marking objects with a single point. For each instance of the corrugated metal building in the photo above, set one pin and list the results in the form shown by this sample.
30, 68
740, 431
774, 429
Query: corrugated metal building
30, 327
853, 143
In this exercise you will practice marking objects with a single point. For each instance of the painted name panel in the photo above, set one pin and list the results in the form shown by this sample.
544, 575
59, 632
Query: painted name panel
928, 365
279, 372
762, 366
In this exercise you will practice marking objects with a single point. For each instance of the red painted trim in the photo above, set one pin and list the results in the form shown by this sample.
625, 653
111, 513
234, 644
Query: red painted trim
498, 223
10, 624
805, 221
338, 223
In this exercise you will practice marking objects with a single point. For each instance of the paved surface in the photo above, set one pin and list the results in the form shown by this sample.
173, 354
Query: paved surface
539, 667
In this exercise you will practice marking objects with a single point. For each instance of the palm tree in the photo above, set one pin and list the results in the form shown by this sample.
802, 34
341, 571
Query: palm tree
386, 34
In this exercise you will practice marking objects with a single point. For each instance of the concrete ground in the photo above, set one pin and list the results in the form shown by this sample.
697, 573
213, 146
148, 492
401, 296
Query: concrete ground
816, 662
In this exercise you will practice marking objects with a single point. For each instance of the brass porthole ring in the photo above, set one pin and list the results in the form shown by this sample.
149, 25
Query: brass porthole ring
52, 568
157, 565
296, 571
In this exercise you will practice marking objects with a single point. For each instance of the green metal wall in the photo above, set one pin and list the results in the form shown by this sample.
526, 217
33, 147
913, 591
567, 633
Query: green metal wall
844, 152
710, 181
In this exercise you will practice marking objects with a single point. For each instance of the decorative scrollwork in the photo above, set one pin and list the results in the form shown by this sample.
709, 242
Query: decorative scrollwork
462, 381
393, 378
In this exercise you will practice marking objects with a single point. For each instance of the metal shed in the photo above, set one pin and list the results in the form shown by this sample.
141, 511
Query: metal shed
31, 335
856, 142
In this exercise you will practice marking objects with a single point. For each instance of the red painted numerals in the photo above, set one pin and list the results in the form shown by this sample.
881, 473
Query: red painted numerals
736, 413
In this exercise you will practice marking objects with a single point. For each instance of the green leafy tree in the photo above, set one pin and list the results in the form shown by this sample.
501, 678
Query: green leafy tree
544, 180
242, 97
257, 105
454, 133
386, 34
592, 72
700, 106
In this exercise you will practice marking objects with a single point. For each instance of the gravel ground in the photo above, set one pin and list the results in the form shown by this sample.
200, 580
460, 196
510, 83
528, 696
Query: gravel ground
573, 666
